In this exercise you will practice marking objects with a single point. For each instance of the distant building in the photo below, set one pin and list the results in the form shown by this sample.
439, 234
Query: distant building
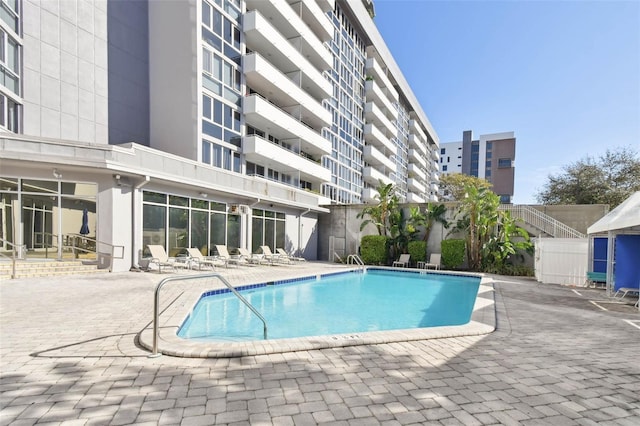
491, 157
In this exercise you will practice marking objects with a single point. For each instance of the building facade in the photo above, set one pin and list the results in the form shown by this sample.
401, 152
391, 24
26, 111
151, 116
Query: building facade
236, 127
491, 157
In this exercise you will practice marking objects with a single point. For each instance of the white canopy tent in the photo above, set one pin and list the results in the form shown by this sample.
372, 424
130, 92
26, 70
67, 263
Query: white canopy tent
624, 219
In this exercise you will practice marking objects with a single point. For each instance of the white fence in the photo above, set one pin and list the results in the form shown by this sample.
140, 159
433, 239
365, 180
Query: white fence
562, 260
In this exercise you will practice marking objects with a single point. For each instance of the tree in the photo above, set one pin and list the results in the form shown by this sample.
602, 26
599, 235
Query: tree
379, 214
489, 231
608, 179
434, 213
453, 185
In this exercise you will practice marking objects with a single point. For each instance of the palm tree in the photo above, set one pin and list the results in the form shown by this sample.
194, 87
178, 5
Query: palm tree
379, 214
432, 214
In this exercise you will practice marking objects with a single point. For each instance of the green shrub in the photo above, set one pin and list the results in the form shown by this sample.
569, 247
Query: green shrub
452, 253
417, 250
373, 249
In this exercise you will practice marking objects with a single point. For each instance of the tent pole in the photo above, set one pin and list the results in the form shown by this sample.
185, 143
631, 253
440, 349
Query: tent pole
610, 262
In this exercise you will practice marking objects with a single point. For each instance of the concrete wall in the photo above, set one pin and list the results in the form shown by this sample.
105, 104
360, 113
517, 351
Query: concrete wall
577, 217
340, 229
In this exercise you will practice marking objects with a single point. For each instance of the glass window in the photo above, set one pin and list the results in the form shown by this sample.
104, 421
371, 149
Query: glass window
504, 162
46, 186
207, 64
217, 230
206, 152
211, 130
153, 224
178, 227
206, 14
217, 112
199, 229
233, 231
206, 107
217, 156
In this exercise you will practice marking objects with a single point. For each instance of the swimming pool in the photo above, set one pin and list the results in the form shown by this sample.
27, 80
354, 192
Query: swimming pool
353, 302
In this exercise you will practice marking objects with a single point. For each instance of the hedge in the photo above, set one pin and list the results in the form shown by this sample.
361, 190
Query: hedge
452, 253
373, 249
417, 250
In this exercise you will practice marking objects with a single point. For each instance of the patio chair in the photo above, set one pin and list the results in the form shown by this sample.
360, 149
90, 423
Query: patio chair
268, 254
434, 261
223, 254
403, 261
625, 290
251, 258
200, 260
160, 257
286, 255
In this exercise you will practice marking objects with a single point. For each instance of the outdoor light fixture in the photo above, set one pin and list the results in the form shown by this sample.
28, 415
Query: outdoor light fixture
57, 174
117, 179
204, 194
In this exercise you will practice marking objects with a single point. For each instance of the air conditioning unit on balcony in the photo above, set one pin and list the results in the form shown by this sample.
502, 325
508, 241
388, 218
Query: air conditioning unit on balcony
238, 209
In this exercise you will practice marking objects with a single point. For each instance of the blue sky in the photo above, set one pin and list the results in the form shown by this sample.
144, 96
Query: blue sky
563, 75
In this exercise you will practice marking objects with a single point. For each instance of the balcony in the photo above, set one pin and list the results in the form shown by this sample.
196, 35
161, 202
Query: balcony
374, 93
288, 23
373, 114
435, 154
435, 177
265, 78
434, 187
371, 155
262, 37
261, 114
417, 171
369, 195
373, 177
415, 186
416, 157
327, 5
436, 166
414, 198
314, 17
416, 142
414, 126
373, 136
373, 69
266, 153
433, 198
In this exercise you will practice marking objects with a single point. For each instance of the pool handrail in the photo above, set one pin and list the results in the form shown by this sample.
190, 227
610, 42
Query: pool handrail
156, 304
354, 258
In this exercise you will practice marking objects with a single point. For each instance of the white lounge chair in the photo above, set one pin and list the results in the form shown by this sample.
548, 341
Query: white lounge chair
403, 261
434, 261
160, 258
223, 254
251, 258
286, 255
268, 254
625, 290
200, 260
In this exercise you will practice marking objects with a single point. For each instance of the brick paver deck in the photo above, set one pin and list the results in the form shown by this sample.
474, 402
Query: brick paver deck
69, 355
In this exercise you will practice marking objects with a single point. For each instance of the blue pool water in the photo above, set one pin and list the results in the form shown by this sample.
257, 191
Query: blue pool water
336, 304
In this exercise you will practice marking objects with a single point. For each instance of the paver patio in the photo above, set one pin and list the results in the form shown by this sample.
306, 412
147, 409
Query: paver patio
69, 356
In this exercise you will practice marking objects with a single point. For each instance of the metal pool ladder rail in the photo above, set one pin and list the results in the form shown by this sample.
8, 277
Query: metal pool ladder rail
354, 258
156, 303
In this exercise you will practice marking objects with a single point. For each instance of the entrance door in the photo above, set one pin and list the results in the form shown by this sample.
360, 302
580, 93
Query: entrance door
37, 217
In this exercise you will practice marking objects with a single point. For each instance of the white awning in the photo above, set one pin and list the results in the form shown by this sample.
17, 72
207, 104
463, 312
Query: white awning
626, 215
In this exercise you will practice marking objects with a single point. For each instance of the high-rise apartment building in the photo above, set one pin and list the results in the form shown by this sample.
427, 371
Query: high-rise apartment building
491, 157
190, 123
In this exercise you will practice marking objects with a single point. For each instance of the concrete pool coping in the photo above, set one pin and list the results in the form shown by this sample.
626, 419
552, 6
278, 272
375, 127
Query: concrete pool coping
483, 321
